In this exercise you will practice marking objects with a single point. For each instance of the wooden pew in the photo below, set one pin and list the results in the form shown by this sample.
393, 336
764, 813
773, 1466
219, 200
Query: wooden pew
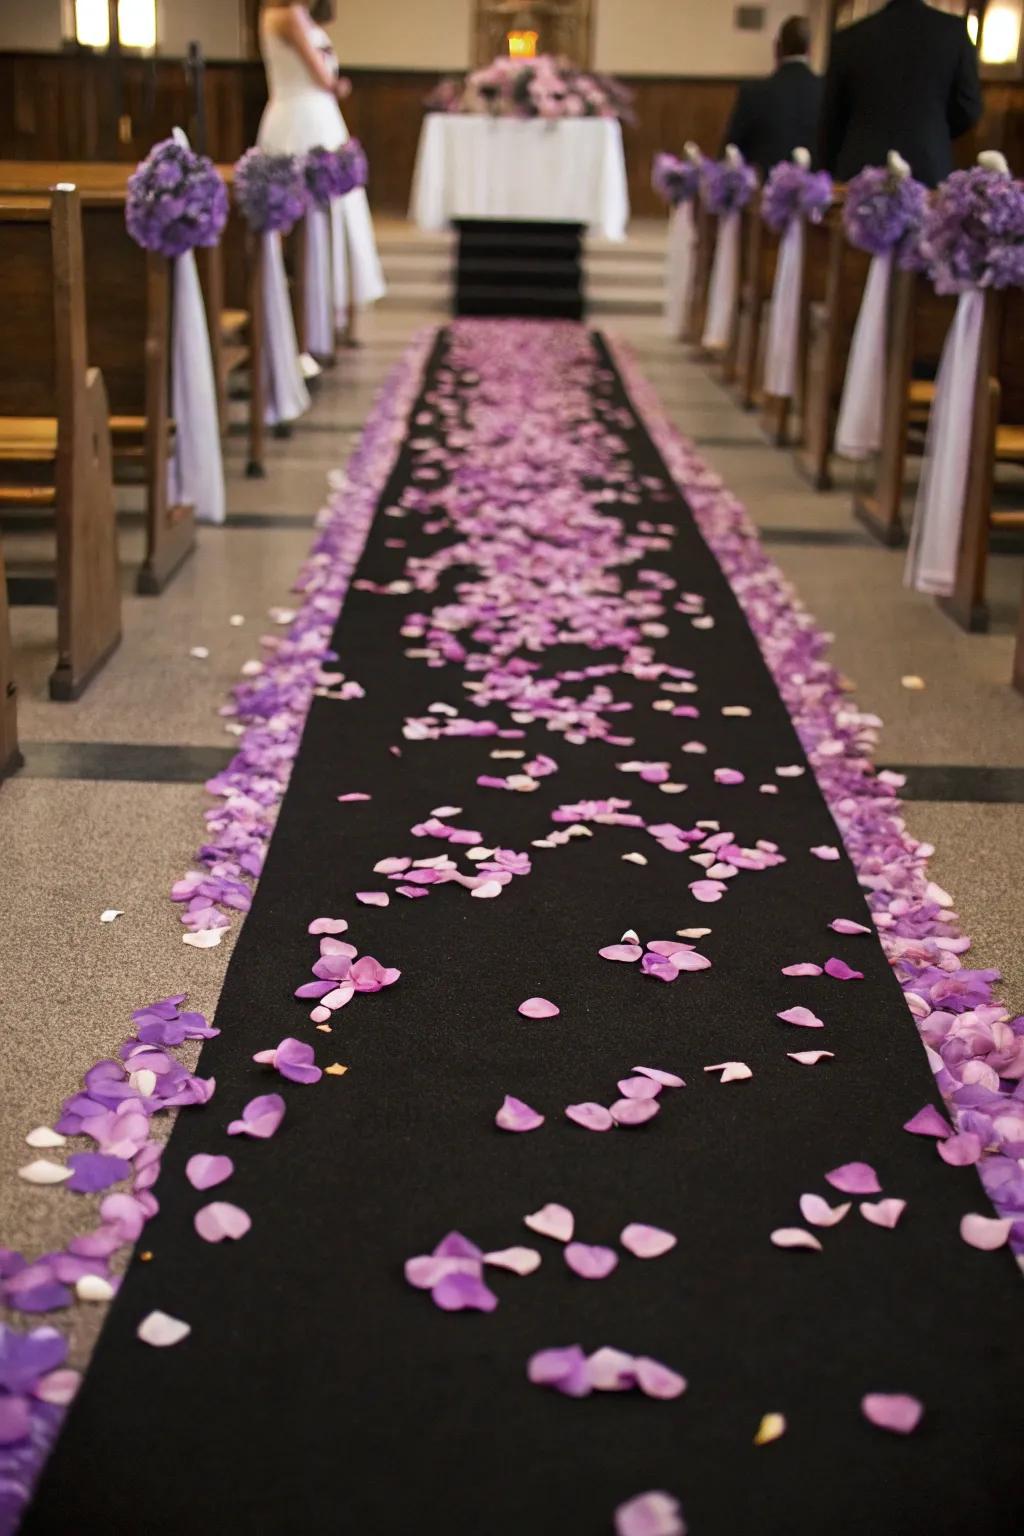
918, 321
234, 304
830, 325
54, 436
997, 437
10, 756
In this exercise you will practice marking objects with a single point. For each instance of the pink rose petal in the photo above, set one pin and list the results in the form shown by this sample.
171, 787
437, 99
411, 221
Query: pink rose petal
960, 1151
634, 1111
803, 1017
732, 1071
328, 925
203, 1171
985, 1232
707, 891
802, 968
552, 1220
650, 1514
352, 798
625, 952
840, 971
809, 1058
854, 1179
161, 1330
659, 1075
220, 1220
58, 1387
641, 1087
819, 1213
514, 1115
795, 1237
657, 1380
895, 1411
645, 1242
521, 1261
539, 1008
373, 898
463, 1293
882, 1213
592, 1117
847, 925
825, 852
590, 1261
611, 1370
928, 1122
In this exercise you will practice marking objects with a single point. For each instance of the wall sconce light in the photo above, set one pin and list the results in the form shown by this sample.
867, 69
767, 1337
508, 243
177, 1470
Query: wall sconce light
92, 23
522, 45
1001, 33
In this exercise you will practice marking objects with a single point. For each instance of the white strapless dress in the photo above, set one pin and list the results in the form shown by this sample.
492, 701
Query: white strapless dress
300, 117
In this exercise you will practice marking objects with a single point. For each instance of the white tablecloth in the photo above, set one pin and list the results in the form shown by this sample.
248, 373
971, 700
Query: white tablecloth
478, 167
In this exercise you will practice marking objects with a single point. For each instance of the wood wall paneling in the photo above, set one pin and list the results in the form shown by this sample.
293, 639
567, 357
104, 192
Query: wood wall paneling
63, 107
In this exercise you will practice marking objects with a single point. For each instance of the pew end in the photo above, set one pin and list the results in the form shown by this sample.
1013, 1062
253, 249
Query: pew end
55, 455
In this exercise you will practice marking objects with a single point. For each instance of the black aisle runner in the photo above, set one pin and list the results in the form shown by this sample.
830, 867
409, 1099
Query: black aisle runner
318, 1393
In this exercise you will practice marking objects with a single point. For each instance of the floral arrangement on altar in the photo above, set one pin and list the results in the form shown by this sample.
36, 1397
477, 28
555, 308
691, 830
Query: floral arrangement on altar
885, 210
176, 201
331, 173
545, 86
727, 185
271, 190
794, 191
678, 181
973, 232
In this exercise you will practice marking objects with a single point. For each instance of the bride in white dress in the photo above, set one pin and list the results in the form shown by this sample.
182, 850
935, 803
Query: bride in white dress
303, 114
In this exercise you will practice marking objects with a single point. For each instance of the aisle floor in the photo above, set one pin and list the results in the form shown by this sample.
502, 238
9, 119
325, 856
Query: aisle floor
108, 810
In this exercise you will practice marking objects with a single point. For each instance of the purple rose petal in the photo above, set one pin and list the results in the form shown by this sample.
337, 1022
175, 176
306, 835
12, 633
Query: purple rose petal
840, 971
640, 1087
220, 1220
95, 1171
928, 1122
634, 1111
15, 1420
294, 1059
463, 1293
563, 1369
960, 1151
657, 1380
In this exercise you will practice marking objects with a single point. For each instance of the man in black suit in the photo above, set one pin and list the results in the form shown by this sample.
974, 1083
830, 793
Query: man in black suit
905, 78
773, 117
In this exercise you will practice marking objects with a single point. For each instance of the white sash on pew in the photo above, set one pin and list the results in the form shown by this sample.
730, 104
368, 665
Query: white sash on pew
722, 288
859, 426
287, 395
939, 511
783, 343
681, 255
198, 466
319, 296
196, 470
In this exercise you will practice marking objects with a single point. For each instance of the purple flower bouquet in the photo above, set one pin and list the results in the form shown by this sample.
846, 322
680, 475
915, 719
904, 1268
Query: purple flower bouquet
973, 233
727, 185
884, 211
795, 191
324, 175
355, 168
176, 201
676, 181
270, 190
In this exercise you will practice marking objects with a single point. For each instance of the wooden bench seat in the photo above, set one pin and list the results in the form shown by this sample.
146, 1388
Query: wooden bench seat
55, 439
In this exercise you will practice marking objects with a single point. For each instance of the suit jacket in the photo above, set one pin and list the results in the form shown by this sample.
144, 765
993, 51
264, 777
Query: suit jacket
773, 117
905, 78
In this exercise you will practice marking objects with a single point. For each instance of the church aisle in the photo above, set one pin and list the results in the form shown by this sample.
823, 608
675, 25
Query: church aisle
536, 584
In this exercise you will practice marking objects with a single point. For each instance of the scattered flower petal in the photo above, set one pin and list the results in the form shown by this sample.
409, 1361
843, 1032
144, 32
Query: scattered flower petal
590, 1261
161, 1330
795, 1237
895, 1411
552, 1220
539, 1008
854, 1179
985, 1232
882, 1213
645, 1242
514, 1115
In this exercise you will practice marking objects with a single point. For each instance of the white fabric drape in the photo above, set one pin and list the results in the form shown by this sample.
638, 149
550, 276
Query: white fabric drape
681, 257
198, 469
723, 287
287, 395
475, 167
783, 343
358, 276
859, 425
939, 511
319, 285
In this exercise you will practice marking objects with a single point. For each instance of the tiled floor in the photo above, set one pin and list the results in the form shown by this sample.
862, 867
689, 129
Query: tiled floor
83, 831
